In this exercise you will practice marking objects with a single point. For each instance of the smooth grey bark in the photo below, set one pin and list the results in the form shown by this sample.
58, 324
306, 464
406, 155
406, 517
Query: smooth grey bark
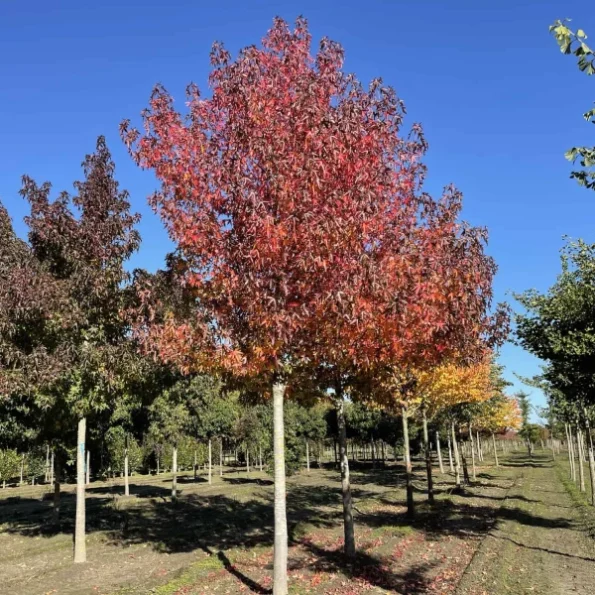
174, 470
472, 453
348, 526
407, 459
307, 457
80, 550
569, 444
221, 457
581, 470
280, 544
428, 457
495, 450
88, 468
439, 452
126, 461
452, 469
56, 481
455, 448
210, 463
52, 468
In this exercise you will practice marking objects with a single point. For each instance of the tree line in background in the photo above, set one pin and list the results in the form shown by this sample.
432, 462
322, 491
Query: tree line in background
318, 299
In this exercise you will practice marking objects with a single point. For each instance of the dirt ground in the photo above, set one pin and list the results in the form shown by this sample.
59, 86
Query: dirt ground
501, 535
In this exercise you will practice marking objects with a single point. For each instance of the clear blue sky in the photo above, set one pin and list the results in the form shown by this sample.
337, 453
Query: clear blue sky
498, 102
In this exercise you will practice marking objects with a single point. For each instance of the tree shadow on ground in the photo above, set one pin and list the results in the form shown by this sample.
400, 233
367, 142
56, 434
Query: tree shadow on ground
248, 481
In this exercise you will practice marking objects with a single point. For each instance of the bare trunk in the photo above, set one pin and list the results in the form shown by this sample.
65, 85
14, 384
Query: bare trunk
52, 467
428, 458
581, 470
80, 550
126, 483
495, 450
456, 455
221, 457
452, 469
247, 461
464, 462
88, 468
22, 467
408, 467
158, 470
210, 463
280, 547
47, 463
307, 457
348, 525
472, 453
572, 470
174, 470
439, 452
56, 481
195, 466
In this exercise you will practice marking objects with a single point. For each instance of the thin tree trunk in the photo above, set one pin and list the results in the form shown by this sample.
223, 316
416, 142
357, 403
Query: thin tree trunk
88, 468
221, 457
210, 463
439, 452
581, 470
495, 449
452, 469
307, 457
472, 441
47, 463
247, 461
158, 470
428, 457
348, 525
80, 550
174, 470
56, 481
195, 466
52, 468
453, 439
570, 449
126, 483
464, 461
407, 457
22, 467
280, 547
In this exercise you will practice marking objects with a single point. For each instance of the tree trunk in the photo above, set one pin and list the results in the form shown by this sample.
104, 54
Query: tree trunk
88, 468
428, 457
126, 461
280, 547
221, 457
439, 452
158, 469
52, 468
22, 467
495, 449
452, 469
47, 463
307, 457
455, 447
581, 470
210, 463
247, 461
407, 457
348, 525
472, 441
464, 461
56, 481
174, 470
195, 466
80, 550
570, 449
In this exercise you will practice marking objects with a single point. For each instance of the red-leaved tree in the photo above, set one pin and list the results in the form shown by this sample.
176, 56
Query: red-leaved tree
294, 202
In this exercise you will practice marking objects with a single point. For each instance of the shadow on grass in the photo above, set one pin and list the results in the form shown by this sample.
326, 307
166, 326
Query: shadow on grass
219, 522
